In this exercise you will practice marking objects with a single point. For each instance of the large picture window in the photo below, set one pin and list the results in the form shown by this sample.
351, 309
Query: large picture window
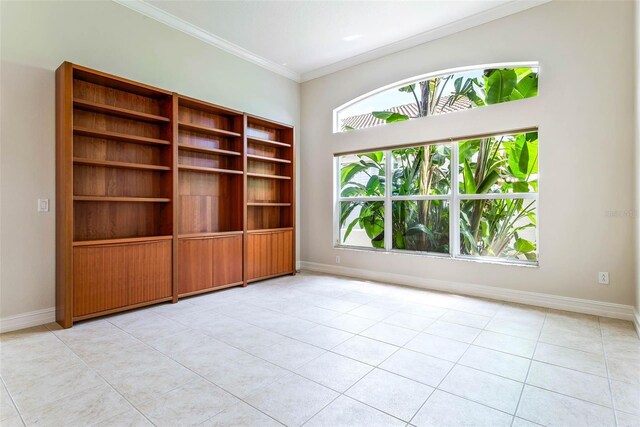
475, 198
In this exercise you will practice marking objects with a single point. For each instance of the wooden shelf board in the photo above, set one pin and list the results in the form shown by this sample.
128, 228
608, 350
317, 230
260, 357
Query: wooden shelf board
268, 204
267, 159
208, 170
121, 165
264, 175
121, 240
213, 234
270, 230
189, 147
267, 142
121, 199
117, 111
205, 129
96, 133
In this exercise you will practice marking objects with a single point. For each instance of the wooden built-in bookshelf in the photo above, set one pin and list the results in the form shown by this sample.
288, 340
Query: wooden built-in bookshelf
210, 190
162, 196
269, 241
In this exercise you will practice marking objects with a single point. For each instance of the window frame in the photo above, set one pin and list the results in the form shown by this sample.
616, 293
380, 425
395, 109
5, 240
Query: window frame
454, 198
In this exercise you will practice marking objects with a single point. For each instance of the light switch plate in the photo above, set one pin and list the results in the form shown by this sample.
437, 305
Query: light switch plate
43, 205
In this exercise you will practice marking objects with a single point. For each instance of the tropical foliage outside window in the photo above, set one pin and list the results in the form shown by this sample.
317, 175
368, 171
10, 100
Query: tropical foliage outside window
438, 95
471, 198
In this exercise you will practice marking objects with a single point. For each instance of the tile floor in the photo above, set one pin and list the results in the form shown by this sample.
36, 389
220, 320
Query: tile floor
325, 351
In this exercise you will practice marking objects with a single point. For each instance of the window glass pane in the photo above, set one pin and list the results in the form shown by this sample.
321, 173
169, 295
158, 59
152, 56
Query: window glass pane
499, 228
422, 170
440, 95
362, 175
499, 164
421, 225
362, 224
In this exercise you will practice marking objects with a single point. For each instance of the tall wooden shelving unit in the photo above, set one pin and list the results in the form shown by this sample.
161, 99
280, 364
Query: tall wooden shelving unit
161, 196
210, 197
115, 194
270, 204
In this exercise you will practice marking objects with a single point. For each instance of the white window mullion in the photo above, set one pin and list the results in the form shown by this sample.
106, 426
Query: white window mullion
454, 205
336, 200
388, 211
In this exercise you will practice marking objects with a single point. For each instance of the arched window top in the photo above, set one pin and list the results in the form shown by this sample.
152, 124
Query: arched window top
437, 93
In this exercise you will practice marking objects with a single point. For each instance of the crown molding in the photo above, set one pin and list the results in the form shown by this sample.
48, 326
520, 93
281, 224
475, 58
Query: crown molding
506, 9
179, 24
151, 11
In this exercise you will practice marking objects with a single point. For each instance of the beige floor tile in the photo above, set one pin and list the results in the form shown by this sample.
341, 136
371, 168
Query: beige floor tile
29, 395
496, 362
626, 397
591, 363
515, 328
417, 366
190, 404
88, 407
506, 343
395, 395
552, 409
409, 321
244, 374
488, 389
350, 323
240, 415
390, 334
323, 337
371, 312
572, 383
443, 348
291, 400
627, 420
365, 350
465, 319
453, 331
346, 412
139, 384
624, 369
334, 371
445, 409
130, 418
289, 354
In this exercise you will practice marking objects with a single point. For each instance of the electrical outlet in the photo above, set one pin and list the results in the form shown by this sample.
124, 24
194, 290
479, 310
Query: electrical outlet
603, 277
43, 205
337, 259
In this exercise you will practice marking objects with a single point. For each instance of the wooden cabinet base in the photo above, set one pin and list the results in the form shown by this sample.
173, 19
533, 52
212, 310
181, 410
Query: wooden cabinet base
110, 277
269, 254
209, 263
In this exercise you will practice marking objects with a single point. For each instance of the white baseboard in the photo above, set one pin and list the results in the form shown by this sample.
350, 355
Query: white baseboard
27, 320
598, 308
636, 321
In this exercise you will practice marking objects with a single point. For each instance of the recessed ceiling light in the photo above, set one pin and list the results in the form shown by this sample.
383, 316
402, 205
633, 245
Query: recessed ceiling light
352, 37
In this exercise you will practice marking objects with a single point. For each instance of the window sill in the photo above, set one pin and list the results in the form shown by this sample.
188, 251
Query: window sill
433, 255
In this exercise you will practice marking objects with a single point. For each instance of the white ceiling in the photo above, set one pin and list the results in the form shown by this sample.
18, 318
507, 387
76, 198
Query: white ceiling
306, 39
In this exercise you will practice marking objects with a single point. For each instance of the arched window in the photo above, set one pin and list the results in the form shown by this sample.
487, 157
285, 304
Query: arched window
439, 93
474, 197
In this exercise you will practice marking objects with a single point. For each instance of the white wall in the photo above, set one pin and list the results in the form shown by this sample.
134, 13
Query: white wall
586, 123
35, 38
637, 164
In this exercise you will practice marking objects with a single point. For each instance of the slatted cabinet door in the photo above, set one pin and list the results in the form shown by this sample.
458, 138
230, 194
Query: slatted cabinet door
108, 277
